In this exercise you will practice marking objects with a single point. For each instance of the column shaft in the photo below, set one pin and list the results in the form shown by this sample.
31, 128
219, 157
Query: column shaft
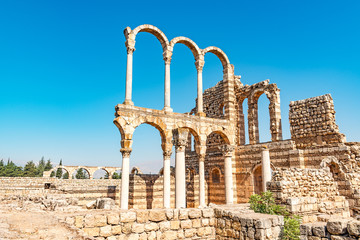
129, 67
199, 92
167, 87
124, 198
229, 194
167, 182
202, 183
266, 168
180, 183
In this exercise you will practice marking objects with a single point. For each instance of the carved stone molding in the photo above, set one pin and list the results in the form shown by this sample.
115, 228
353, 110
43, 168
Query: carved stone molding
227, 150
126, 152
167, 154
180, 144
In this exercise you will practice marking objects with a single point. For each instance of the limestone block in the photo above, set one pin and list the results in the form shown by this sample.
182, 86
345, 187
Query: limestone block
196, 223
169, 235
143, 236
186, 224
319, 229
138, 227
157, 215
207, 212
126, 228
164, 226
183, 214
100, 220
353, 228
337, 226
151, 227
142, 216
127, 216
194, 213
70, 221
170, 214
174, 225
113, 218
91, 205
79, 221
116, 230
105, 231
152, 235
189, 233
92, 231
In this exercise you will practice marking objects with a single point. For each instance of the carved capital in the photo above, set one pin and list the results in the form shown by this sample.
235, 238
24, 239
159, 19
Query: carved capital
167, 154
126, 152
199, 65
227, 150
130, 46
180, 144
167, 57
201, 157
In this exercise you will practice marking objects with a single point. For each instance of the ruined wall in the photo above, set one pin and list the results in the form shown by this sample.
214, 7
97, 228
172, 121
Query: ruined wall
217, 222
312, 122
308, 192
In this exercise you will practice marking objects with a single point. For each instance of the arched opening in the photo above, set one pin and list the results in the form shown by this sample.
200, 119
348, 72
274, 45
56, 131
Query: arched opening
81, 173
215, 175
148, 72
146, 155
215, 161
183, 79
212, 72
190, 187
264, 118
60, 173
257, 180
101, 174
243, 122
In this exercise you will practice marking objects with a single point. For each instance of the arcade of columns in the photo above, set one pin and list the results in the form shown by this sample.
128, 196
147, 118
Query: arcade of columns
175, 128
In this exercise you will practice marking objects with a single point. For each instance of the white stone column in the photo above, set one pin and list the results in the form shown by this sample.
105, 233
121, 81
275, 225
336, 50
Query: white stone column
202, 181
199, 67
167, 179
167, 58
229, 189
124, 194
129, 70
266, 168
180, 142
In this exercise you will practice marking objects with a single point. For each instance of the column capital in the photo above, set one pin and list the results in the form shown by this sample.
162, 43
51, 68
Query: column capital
125, 152
180, 139
167, 154
130, 46
167, 54
201, 157
199, 63
227, 150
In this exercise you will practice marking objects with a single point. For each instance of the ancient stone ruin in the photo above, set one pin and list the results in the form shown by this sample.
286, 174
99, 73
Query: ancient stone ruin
314, 174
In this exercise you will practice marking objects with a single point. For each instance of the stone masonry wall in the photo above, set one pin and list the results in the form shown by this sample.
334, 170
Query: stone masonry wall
312, 121
308, 192
217, 222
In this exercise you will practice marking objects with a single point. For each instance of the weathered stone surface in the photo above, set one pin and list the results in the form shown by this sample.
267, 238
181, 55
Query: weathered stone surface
353, 228
127, 216
337, 226
105, 203
157, 215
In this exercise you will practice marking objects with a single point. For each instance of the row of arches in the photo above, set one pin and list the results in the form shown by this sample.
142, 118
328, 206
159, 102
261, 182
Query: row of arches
167, 47
83, 172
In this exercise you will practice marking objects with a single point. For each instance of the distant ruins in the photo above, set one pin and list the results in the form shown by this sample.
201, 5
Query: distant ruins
315, 174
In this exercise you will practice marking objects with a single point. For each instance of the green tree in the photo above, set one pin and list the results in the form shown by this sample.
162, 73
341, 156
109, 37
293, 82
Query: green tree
81, 174
30, 169
11, 170
52, 174
2, 167
116, 175
59, 171
48, 166
66, 175
40, 167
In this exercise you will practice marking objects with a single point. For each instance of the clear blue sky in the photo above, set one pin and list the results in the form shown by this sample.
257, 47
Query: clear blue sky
62, 68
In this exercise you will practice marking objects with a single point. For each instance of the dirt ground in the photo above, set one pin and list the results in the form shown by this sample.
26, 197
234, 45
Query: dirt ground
28, 220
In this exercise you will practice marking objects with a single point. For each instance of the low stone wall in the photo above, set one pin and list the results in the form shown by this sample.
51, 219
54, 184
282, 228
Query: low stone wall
217, 222
236, 223
335, 229
308, 192
147, 224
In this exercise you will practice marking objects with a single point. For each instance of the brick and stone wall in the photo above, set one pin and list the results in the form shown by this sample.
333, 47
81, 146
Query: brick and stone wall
312, 122
217, 222
334, 228
308, 192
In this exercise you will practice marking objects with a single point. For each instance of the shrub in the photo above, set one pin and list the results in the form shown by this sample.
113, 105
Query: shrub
265, 203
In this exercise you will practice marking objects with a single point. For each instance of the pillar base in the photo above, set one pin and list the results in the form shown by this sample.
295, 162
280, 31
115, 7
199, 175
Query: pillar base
168, 109
201, 114
128, 102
